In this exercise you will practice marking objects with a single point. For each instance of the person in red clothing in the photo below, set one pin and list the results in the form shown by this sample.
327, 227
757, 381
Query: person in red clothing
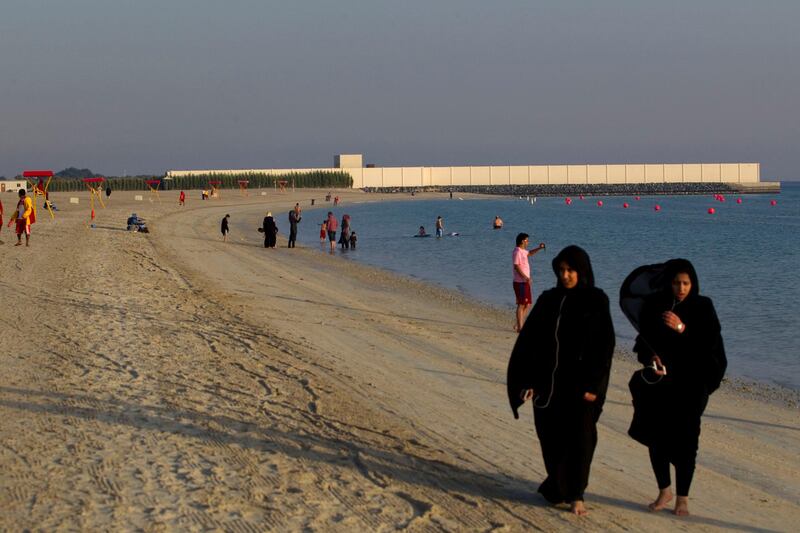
1, 218
522, 277
24, 216
182, 198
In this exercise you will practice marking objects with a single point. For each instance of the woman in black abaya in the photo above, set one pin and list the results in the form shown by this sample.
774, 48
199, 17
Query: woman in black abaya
562, 360
680, 334
270, 230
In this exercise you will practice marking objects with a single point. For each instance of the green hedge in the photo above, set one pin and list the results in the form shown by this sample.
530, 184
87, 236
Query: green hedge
258, 180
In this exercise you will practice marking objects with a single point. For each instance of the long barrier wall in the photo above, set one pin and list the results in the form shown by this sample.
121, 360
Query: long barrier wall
529, 175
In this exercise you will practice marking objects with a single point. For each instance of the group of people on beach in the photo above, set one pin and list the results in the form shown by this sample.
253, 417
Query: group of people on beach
21, 218
562, 361
270, 228
328, 230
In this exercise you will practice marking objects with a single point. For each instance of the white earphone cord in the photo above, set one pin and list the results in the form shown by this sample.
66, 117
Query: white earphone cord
553, 375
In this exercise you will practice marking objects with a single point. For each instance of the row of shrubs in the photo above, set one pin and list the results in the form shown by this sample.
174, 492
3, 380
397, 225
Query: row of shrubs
257, 180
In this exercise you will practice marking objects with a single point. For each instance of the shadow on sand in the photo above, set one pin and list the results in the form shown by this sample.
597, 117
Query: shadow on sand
380, 466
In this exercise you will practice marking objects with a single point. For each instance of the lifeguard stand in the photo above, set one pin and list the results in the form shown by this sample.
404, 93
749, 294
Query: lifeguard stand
95, 188
153, 185
40, 187
243, 187
215, 188
282, 185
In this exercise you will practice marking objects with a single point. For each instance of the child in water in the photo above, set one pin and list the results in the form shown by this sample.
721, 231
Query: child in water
353, 240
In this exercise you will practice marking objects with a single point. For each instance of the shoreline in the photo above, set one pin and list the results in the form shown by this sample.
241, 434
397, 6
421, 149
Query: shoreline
180, 382
770, 391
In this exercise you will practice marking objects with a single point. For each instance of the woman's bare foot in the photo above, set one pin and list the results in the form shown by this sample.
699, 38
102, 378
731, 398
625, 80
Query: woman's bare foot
577, 508
664, 497
681, 506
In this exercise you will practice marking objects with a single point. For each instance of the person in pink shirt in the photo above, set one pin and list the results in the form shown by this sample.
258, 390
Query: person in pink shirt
522, 277
333, 225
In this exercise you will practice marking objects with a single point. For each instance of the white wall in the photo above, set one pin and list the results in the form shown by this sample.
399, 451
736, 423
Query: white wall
529, 175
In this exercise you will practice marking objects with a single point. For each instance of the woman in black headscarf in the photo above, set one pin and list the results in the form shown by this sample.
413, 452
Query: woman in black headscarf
680, 335
270, 230
562, 359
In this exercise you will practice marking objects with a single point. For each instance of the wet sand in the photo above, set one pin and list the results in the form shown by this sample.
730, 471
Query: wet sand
171, 381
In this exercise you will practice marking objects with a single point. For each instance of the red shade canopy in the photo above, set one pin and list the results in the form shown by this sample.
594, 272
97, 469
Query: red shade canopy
37, 173
152, 182
217, 182
93, 180
244, 182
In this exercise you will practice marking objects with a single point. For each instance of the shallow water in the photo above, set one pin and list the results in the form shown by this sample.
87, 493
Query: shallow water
746, 256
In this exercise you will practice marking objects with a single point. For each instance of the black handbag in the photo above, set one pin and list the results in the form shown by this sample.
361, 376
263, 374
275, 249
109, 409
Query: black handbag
650, 405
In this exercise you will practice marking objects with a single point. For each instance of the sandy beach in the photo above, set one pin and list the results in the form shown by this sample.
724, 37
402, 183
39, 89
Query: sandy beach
171, 381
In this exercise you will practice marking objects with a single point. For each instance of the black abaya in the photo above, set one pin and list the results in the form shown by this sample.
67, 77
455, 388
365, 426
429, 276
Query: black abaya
270, 232
563, 351
668, 420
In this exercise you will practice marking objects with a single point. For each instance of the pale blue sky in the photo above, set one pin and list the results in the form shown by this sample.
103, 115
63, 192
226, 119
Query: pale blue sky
142, 86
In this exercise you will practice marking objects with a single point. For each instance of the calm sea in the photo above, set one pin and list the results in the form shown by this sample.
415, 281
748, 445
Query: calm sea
746, 254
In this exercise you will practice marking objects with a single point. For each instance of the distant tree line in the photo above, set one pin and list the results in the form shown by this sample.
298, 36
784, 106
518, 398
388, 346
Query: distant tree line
71, 180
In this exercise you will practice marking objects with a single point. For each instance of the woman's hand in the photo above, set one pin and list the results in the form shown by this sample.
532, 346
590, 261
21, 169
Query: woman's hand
658, 366
526, 395
673, 321
589, 397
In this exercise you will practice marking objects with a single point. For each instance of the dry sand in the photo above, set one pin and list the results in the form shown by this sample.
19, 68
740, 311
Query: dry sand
171, 381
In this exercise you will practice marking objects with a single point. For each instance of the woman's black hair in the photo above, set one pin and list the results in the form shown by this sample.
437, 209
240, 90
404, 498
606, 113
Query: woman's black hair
577, 258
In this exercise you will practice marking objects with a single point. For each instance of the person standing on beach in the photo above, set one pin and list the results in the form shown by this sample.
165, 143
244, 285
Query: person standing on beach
680, 341
332, 226
23, 217
182, 198
562, 361
294, 219
522, 277
224, 228
270, 230
439, 227
1, 218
